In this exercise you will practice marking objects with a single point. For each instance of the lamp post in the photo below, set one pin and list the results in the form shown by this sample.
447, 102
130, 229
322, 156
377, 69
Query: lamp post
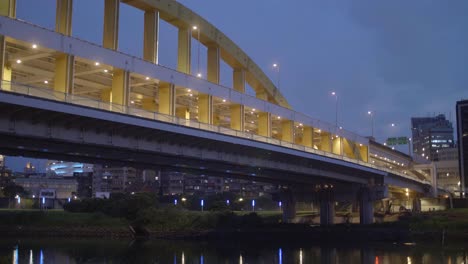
276, 66
199, 75
336, 108
371, 114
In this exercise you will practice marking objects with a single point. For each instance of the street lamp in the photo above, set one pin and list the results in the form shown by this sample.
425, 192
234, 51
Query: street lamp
276, 66
371, 114
336, 108
199, 75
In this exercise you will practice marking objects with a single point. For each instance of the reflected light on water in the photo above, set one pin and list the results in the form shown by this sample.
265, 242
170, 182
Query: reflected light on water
376, 260
241, 261
280, 256
31, 258
300, 256
408, 259
15, 255
202, 261
41, 257
183, 258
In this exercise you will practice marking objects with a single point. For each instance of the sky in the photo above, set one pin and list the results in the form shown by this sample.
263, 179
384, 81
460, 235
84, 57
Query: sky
399, 58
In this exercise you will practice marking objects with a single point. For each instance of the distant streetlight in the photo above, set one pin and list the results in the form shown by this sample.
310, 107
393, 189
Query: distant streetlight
202, 203
336, 108
276, 66
371, 114
253, 205
199, 75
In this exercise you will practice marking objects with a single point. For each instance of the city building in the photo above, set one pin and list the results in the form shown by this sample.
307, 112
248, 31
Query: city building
67, 169
462, 136
29, 168
448, 175
85, 184
113, 179
430, 134
64, 188
5, 173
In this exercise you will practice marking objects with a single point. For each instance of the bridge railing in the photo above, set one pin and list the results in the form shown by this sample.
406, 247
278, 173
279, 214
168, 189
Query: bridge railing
53, 95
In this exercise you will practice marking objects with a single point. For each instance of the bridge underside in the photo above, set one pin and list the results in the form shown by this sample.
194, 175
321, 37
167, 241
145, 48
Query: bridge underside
47, 129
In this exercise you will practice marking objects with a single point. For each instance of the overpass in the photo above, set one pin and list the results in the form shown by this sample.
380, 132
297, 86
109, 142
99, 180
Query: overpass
68, 99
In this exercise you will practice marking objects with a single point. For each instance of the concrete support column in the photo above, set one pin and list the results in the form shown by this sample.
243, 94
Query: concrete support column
288, 205
64, 71
184, 50
5, 66
337, 146
328, 255
325, 142
416, 204
7, 8
237, 110
368, 255
110, 38
205, 108
327, 206
106, 95
120, 87
366, 206
287, 131
264, 124
149, 104
308, 136
167, 98
63, 17
151, 36
213, 64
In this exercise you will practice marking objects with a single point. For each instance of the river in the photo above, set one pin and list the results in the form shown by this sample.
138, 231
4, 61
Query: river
45, 251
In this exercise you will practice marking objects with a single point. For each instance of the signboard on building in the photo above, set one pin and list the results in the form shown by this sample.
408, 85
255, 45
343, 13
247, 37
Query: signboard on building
393, 141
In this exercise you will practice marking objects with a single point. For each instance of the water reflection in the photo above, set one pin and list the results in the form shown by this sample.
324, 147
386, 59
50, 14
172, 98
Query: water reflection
181, 252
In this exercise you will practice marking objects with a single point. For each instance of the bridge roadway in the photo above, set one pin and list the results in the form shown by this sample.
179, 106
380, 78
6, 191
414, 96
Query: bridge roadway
42, 128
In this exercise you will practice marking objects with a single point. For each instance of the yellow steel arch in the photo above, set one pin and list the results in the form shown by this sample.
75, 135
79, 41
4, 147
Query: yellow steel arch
182, 17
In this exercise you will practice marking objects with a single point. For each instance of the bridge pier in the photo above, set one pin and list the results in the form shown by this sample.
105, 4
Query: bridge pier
416, 204
288, 204
327, 205
366, 206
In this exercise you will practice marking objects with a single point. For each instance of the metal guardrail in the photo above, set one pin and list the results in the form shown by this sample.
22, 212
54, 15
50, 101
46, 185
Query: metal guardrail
133, 111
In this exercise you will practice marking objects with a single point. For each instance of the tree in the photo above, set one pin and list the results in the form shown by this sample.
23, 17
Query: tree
11, 190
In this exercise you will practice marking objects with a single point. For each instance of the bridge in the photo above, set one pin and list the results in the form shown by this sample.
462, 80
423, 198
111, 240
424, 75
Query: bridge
65, 98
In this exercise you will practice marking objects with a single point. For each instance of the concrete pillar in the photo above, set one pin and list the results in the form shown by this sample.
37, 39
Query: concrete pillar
63, 17
7, 8
308, 136
120, 87
327, 206
184, 50
106, 95
151, 36
213, 64
416, 204
337, 146
167, 98
264, 124
149, 104
287, 131
205, 108
366, 206
110, 38
64, 71
288, 205
5, 66
237, 110
368, 255
325, 141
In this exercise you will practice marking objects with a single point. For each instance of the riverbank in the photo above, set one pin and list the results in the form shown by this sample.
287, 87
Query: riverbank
440, 227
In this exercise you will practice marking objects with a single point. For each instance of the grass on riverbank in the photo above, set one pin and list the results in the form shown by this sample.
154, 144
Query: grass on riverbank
451, 221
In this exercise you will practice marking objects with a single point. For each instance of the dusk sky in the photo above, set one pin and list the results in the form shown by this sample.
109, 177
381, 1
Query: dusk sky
397, 58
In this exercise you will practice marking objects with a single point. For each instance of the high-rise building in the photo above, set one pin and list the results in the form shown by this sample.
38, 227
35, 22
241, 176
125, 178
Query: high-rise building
431, 134
113, 179
462, 134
